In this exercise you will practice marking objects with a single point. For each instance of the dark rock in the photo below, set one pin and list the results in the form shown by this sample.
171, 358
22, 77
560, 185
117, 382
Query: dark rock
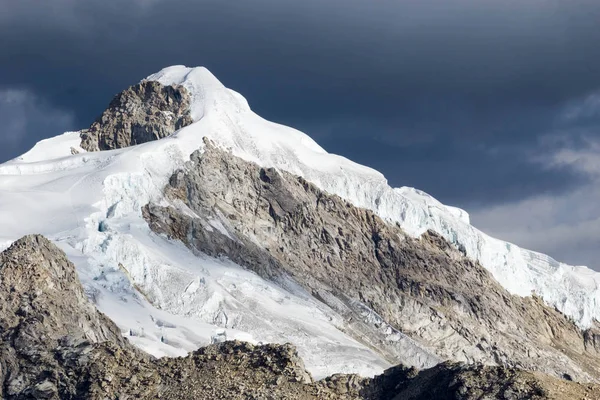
145, 112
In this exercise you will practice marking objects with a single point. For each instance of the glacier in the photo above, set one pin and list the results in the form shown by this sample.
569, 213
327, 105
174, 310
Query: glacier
168, 301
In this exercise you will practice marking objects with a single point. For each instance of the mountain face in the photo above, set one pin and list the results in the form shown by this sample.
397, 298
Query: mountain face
225, 117
55, 345
192, 221
418, 301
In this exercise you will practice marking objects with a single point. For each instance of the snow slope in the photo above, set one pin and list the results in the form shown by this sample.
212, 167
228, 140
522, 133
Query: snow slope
169, 301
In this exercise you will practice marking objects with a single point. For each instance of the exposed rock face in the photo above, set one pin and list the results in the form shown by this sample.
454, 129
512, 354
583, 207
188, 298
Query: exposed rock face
36, 317
353, 261
144, 112
592, 339
55, 345
450, 381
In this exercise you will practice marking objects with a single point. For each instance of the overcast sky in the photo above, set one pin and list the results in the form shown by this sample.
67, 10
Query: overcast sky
490, 105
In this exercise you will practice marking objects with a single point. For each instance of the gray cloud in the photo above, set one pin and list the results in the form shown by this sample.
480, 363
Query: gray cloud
565, 225
23, 114
484, 53
458, 98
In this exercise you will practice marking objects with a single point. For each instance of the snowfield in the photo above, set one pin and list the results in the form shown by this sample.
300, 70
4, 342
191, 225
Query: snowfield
167, 300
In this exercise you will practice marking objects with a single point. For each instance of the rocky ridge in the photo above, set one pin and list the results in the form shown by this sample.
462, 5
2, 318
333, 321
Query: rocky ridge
418, 301
42, 308
55, 345
142, 113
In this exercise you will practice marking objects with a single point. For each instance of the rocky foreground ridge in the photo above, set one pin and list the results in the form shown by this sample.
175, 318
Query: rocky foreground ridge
55, 345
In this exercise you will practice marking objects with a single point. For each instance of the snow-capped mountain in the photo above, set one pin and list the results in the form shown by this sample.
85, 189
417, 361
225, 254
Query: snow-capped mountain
169, 300
573, 290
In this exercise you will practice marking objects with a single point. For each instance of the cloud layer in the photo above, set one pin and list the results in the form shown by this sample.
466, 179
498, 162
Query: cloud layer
566, 224
23, 117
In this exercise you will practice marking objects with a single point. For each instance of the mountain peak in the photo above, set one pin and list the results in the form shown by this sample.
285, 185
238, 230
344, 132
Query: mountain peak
177, 74
207, 91
93, 204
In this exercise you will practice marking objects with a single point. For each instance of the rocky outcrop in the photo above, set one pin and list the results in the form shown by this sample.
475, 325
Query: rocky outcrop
386, 284
450, 381
142, 113
37, 318
55, 345
592, 339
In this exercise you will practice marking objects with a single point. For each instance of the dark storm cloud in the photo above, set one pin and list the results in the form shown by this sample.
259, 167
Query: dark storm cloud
22, 113
423, 90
